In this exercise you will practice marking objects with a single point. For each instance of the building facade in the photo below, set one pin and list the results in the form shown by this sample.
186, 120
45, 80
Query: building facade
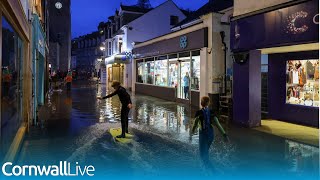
23, 66
85, 53
189, 62
39, 55
288, 36
132, 25
59, 35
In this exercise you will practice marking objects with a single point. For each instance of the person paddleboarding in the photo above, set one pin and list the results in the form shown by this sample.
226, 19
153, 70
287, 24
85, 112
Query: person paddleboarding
126, 105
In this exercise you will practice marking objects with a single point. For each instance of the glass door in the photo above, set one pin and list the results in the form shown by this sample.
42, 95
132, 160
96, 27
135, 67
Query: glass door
184, 78
173, 74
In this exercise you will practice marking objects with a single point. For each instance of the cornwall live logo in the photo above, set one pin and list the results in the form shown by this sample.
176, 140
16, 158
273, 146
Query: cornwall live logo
64, 168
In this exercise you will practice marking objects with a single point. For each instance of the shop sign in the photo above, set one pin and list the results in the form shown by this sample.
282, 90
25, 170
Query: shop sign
40, 39
199, 39
287, 26
183, 42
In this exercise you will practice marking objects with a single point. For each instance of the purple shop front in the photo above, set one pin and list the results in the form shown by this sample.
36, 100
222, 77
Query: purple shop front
293, 25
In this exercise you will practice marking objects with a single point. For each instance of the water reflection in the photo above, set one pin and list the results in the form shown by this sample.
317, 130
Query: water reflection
162, 144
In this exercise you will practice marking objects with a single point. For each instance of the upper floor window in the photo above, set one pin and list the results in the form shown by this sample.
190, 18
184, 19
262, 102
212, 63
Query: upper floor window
109, 48
174, 20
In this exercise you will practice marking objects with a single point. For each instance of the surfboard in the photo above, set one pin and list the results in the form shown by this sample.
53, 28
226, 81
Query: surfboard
116, 132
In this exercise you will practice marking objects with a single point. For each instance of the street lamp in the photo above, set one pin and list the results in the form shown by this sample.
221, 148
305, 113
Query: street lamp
102, 48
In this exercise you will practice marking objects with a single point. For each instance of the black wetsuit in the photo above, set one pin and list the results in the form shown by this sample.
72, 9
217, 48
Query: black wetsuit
125, 101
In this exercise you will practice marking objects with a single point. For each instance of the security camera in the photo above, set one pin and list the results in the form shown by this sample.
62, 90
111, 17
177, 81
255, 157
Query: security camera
240, 58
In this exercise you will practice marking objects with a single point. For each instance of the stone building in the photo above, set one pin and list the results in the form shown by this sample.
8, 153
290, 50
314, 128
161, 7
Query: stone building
59, 34
85, 52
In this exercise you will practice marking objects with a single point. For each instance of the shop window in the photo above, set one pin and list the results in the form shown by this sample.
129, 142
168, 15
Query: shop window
173, 70
149, 71
109, 48
195, 76
303, 82
264, 63
11, 84
161, 71
140, 70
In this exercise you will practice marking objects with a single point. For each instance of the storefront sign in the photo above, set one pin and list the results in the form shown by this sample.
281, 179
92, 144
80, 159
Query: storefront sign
288, 26
39, 35
183, 42
190, 41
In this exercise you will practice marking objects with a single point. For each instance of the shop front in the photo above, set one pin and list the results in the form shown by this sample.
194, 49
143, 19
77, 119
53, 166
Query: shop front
14, 91
289, 37
116, 68
170, 69
39, 65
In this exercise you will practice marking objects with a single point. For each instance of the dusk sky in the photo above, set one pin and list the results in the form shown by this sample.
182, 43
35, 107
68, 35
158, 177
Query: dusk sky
86, 14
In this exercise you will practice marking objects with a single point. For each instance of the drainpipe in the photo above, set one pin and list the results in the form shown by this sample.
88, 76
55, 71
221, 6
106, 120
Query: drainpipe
222, 34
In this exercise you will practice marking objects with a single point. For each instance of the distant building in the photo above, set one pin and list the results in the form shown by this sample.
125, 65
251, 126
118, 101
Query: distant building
85, 52
59, 34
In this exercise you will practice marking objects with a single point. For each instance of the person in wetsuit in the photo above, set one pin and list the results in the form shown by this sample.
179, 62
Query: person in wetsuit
205, 120
126, 105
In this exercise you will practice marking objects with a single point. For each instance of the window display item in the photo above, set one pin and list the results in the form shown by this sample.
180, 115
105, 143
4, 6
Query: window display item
302, 82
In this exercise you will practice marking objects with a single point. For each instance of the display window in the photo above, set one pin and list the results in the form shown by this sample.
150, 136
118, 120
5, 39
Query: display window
303, 82
11, 84
195, 76
149, 71
173, 70
140, 70
161, 71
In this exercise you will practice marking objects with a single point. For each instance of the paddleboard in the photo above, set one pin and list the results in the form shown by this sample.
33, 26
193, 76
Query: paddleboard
116, 132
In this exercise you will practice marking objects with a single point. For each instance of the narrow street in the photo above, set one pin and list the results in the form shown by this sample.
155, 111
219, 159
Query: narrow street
75, 128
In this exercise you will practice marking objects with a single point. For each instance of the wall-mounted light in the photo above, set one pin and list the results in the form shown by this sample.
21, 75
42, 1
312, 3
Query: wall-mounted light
102, 48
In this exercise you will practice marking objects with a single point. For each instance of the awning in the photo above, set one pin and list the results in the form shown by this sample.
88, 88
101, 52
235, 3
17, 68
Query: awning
123, 58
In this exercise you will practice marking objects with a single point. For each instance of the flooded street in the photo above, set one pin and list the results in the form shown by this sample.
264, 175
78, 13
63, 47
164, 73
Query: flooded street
75, 128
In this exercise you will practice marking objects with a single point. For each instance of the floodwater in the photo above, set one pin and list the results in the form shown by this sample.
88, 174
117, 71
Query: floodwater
75, 126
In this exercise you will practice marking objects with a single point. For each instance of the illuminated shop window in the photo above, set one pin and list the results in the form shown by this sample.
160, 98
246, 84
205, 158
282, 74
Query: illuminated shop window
11, 85
195, 76
140, 70
303, 82
149, 70
161, 71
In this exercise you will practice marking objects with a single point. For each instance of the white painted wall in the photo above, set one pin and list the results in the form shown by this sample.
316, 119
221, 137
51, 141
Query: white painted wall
153, 24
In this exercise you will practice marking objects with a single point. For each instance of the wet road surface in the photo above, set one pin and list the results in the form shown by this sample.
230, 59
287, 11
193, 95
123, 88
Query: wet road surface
75, 128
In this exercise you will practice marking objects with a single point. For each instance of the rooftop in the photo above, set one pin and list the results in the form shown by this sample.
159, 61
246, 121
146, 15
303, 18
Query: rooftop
212, 6
134, 9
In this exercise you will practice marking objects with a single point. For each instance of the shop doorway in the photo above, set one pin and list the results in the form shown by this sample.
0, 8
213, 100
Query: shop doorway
109, 74
179, 77
117, 72
184, 88
173, 74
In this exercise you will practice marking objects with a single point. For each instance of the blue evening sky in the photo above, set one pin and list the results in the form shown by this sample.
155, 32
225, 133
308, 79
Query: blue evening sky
86, 14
